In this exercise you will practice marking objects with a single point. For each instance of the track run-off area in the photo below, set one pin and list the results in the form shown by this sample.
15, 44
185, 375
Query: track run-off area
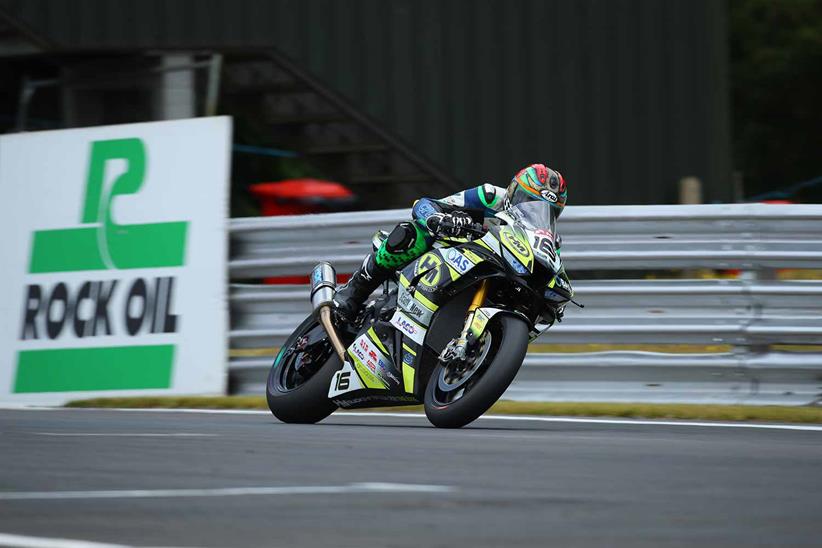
75, 478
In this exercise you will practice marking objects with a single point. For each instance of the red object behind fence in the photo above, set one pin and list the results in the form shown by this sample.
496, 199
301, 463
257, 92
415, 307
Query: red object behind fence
299, 197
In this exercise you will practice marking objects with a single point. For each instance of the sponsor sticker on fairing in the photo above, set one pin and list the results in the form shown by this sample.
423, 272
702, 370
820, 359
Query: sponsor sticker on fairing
372, 357
563, 284
478, 322
420, 313
458, 261
408, 358
362, 349
408, 327
491, 241
387, 374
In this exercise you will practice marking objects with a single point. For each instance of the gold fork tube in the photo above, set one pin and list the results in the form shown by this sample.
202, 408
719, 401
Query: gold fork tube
479, 296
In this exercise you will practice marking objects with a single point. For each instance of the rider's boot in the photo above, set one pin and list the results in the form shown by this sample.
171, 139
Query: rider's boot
350, 297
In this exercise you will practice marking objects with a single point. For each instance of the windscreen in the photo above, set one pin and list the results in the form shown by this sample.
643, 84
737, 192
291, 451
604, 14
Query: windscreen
534, 215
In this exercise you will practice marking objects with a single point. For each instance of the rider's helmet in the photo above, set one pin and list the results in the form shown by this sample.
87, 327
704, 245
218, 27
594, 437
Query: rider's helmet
538, 182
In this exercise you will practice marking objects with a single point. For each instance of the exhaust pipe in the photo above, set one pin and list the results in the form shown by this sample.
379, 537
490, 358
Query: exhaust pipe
323, 287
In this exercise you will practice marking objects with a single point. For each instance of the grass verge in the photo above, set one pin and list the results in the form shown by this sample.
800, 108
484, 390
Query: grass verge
769, 413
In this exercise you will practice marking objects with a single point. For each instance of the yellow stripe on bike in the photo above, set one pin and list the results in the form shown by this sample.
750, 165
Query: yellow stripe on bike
408, 378
376, 340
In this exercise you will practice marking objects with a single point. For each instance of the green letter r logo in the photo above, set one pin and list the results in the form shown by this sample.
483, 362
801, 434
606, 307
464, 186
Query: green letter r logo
102, 243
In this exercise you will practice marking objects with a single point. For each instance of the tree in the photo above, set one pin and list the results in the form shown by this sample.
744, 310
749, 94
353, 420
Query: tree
776, 72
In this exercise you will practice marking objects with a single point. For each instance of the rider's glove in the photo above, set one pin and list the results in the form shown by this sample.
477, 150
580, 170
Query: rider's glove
449, 225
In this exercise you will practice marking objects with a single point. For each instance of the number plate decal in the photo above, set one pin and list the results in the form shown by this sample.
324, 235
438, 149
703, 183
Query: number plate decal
544, 246
344, 380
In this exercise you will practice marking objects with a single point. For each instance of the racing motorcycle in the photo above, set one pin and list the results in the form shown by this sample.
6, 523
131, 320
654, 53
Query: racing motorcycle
450, 330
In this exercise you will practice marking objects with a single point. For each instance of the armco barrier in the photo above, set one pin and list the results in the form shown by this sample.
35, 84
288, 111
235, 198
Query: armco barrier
749, 314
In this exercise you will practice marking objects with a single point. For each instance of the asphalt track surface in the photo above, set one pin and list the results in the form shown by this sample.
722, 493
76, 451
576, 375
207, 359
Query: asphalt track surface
197, 479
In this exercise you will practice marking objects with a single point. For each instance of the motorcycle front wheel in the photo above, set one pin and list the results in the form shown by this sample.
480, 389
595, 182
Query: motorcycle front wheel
297, 387
458, 395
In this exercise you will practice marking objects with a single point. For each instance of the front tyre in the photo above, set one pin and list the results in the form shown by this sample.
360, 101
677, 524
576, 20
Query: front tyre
297, 387
456, 398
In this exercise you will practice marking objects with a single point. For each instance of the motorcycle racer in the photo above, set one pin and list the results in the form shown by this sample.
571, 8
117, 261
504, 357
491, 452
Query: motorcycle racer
450, 217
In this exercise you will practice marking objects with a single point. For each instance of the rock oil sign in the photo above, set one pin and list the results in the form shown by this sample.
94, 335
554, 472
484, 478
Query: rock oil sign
114, 269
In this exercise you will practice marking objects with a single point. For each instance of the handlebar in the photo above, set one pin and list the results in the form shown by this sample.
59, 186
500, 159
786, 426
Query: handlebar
475, 229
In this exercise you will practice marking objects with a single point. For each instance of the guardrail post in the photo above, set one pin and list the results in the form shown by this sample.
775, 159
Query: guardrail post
690, 190
754, 349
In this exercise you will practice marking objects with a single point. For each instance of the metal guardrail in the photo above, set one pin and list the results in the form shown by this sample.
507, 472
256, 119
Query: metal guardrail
751, 313
744, 236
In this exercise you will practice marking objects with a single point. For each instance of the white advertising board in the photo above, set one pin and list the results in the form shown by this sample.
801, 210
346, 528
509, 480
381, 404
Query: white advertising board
114, 260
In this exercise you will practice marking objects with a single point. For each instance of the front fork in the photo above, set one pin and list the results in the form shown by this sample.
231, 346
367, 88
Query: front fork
457, 349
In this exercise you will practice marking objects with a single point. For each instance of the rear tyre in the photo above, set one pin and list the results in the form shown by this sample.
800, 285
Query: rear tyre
297, 387
452, 401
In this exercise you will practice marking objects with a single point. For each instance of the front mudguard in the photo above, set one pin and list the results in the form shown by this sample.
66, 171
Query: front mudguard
483, 315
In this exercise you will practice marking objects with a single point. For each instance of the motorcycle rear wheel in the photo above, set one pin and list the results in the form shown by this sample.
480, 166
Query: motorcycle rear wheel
298, 392
453, 404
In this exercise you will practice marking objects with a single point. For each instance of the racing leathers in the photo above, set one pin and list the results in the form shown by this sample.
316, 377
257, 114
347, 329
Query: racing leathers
446, 217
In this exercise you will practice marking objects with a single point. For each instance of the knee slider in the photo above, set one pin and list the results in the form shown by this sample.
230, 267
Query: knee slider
401, 239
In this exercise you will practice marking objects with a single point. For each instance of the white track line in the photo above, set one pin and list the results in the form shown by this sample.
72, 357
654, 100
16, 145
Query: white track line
23, 541
630, 422
126, 435
581, 420
521, 418
228, 491
136, 409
